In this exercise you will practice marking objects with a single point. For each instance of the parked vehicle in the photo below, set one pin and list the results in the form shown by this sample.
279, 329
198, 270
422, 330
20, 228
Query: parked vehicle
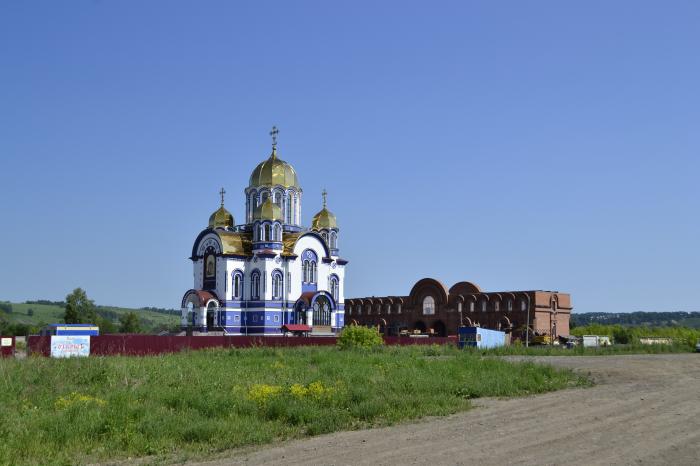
697, 347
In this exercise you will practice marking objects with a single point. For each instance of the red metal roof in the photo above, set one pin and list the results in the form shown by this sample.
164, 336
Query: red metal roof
296, 328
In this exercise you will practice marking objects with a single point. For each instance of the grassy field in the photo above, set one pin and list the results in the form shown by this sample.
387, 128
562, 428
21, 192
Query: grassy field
544, 350
50, 314
193, 404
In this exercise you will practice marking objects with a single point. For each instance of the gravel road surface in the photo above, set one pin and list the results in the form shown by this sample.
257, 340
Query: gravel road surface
644, 409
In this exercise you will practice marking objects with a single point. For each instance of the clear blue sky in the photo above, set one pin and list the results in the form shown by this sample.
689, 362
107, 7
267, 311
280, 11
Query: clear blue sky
519, 145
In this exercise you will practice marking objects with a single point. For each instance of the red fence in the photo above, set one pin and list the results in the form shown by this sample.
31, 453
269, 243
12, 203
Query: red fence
140, 345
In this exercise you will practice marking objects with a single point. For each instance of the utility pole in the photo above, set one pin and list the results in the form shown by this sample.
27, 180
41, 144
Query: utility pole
527, 326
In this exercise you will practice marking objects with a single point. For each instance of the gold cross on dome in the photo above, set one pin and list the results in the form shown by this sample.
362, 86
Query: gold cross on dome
222, 192
324, 193
274, 134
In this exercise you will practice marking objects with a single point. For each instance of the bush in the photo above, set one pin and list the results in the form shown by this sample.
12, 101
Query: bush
6, 308
355, 336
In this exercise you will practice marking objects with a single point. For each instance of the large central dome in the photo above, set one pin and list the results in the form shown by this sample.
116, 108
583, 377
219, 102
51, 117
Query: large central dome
273, 172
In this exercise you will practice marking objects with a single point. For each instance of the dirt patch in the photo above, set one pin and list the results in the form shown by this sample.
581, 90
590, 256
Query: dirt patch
645, 409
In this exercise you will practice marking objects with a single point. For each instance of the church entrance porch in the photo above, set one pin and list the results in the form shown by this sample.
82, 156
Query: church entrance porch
199, 311
317, 310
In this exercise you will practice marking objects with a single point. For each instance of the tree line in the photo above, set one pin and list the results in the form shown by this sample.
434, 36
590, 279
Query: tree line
79, 309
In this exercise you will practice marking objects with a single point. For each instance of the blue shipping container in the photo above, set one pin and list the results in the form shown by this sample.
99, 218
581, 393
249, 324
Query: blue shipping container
71, 329
478, 337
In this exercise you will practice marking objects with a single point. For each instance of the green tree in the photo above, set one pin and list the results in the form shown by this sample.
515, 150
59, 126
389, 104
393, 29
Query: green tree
622, 335
129, 323
107, 326
79, 309
30, 312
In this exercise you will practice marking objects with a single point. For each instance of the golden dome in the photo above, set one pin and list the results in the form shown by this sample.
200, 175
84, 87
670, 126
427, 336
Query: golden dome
268, 210
273, 172
325, 218
222, 217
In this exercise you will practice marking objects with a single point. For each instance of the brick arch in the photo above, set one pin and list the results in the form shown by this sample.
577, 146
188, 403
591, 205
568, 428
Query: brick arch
465, 288
432, 287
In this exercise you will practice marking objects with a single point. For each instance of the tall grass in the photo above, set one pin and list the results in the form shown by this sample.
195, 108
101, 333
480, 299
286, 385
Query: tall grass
195, 403
546, 350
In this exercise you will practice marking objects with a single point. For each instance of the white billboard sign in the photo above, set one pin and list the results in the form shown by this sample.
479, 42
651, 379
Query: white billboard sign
66, 346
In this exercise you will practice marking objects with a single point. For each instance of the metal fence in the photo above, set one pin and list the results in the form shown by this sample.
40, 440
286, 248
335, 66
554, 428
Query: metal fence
142, 345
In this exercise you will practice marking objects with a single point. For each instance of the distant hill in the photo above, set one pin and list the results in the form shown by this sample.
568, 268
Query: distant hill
42, 312
651, 319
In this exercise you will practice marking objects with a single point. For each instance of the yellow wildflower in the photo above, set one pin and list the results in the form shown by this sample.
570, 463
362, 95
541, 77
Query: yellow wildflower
76, 398
261, 393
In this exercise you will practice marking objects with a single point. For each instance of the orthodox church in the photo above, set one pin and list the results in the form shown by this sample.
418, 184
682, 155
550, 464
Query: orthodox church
269, 271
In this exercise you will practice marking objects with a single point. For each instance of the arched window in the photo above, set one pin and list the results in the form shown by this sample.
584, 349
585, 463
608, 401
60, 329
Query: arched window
398, 308
237, 284
483, 305
334, 240
263, 196
305, 272
261, 233
309, 259
278, 232
459, 306
510, 305
268, 233
255, 285
335, 287
497, 306
358, 309
288, 209
324, 235
428, 305
388, 309
277, 285
523, 305
251, 206
471, 306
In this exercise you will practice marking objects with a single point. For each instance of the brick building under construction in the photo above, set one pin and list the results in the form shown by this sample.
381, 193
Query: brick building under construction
431, 308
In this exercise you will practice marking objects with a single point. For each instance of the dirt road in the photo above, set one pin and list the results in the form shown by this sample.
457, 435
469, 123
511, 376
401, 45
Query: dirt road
645, 409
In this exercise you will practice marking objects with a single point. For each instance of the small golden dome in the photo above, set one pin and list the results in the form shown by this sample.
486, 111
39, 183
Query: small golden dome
325, 218
221, 218
273, 172
268, 210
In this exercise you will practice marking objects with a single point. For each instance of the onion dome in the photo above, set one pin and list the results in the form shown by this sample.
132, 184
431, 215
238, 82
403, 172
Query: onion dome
273, 172
325, 219
222, 218
268, 210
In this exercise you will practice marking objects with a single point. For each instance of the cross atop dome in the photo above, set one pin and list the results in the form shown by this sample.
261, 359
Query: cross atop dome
274, 134
324, 193
222, 192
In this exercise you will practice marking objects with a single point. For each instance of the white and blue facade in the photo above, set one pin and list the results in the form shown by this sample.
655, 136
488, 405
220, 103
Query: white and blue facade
253, 278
